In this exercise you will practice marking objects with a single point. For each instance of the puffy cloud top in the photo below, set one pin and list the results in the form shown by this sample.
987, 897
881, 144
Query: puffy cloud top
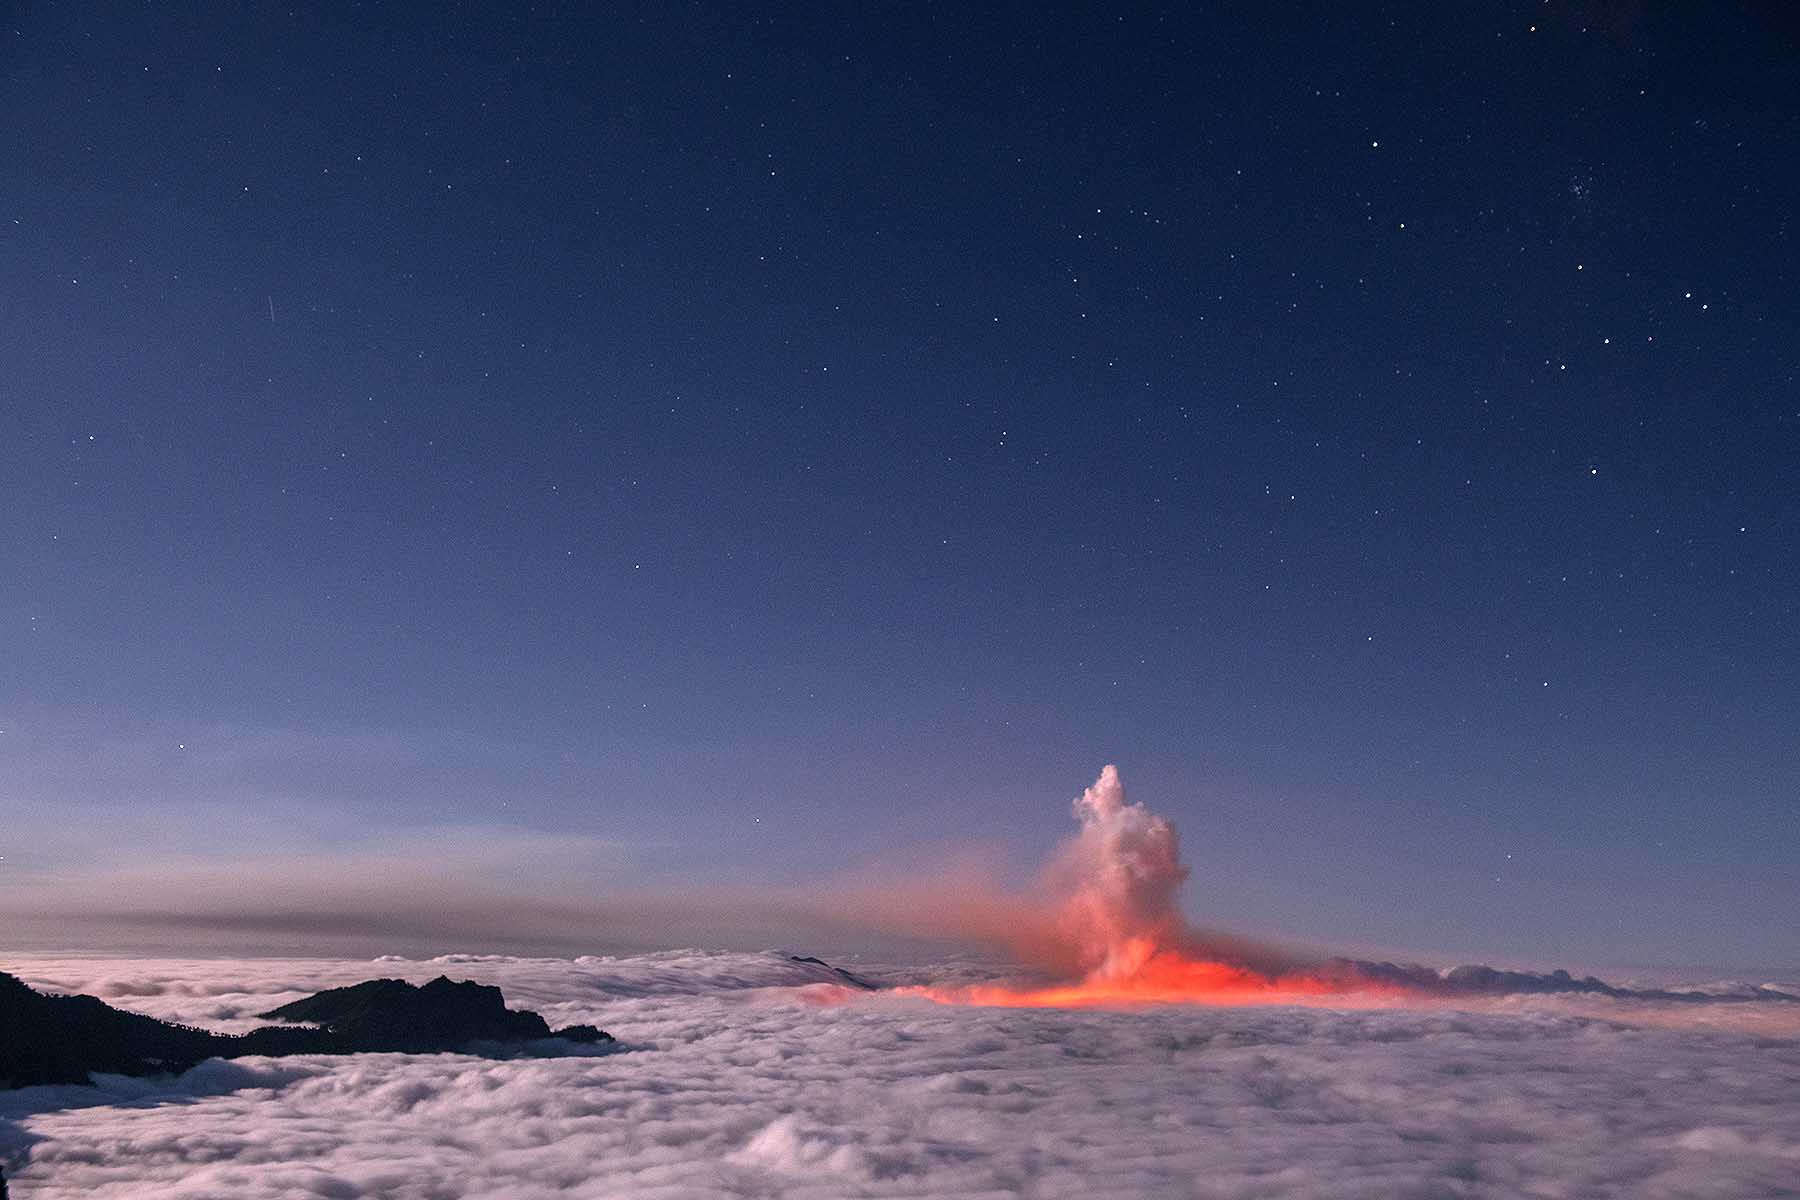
753, 1075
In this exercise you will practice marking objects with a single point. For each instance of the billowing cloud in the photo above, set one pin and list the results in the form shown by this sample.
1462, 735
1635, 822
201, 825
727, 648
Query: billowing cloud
749, 1075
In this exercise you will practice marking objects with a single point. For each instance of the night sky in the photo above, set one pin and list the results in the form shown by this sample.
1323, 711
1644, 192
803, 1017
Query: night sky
744, 449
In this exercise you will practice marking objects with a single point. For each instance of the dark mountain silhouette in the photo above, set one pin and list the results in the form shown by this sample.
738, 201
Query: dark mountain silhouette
391, 1014
60, 1039
1480, 980
842, 974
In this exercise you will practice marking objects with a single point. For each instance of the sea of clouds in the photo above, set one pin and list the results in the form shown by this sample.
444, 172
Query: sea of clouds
752, 1075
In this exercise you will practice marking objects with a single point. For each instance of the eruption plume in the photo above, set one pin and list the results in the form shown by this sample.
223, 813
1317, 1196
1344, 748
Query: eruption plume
1120, 875
1118, 933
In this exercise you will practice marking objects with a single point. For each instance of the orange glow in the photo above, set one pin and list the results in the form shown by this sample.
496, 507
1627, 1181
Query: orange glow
1142, 974
1108, 915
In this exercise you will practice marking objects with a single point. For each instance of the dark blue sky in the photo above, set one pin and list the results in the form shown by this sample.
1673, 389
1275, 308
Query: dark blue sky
764, 445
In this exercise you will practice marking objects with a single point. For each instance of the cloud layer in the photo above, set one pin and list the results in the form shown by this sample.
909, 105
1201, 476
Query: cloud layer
750, 1075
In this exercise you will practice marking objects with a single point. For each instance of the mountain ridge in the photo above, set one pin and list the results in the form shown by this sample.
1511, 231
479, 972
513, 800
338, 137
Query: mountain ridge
47, 1039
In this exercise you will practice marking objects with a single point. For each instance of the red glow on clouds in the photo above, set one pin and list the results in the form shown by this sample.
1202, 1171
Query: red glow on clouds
1166, 976
1115, 928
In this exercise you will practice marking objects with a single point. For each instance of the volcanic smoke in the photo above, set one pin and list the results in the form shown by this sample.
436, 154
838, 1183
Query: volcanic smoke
1118, 934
